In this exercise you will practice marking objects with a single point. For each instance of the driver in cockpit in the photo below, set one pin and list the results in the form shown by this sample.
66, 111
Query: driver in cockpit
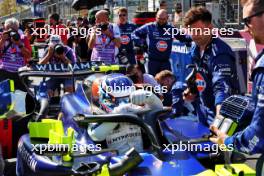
117, 94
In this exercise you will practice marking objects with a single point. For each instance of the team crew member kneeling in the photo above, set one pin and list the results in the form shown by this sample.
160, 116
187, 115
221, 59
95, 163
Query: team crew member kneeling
124, 99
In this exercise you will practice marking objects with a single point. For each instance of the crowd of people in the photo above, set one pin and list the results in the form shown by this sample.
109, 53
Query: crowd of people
116, 44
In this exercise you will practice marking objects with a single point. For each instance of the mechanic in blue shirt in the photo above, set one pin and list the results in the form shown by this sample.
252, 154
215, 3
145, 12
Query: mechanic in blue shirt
216, 76
172, 96
251, 139
159, 42
126, 29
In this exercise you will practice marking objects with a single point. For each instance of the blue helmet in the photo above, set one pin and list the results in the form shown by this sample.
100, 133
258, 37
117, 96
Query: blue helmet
114, 90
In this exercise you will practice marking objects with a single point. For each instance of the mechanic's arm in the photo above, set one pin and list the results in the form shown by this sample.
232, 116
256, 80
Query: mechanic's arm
222, 73
139, 34
177, 98
251, 139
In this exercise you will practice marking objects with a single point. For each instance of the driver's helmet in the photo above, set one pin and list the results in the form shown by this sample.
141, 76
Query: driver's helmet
115, 90
91, 86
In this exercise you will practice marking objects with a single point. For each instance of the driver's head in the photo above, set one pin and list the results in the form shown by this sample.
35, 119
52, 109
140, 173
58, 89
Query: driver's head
114, 90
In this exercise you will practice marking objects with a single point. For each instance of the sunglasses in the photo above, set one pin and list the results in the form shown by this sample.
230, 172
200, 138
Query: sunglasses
122, 15
247, 20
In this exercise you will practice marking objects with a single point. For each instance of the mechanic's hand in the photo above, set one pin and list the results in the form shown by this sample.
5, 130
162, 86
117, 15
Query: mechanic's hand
220, 136
188, 96
139, 97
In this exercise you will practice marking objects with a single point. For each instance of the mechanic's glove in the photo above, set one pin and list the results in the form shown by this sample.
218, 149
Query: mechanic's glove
147, 98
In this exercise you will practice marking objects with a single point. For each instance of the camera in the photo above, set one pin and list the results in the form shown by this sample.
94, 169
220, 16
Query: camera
103, 27
59, 49
14, 35
122, 56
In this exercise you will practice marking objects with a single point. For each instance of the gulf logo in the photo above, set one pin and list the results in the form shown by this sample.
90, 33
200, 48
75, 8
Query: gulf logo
162, 46
125, 39
201, 84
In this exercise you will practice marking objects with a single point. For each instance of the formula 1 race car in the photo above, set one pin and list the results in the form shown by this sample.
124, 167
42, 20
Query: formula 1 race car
48, 149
